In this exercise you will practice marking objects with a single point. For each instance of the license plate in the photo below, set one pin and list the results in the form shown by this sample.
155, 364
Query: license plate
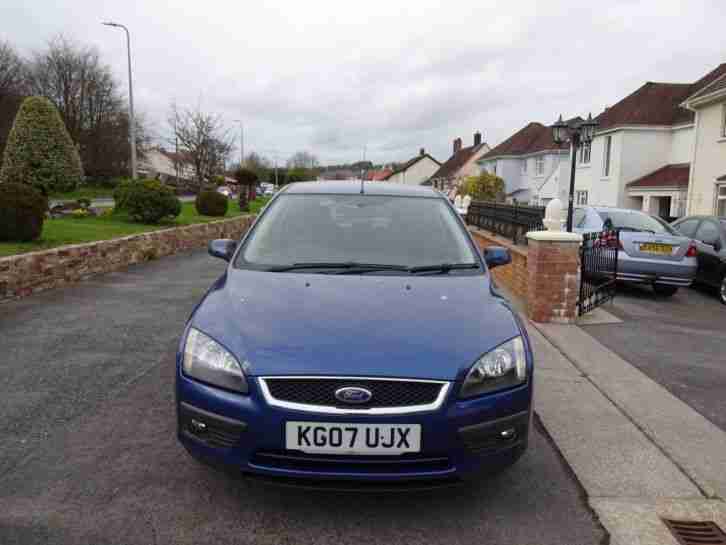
371, 439
664, 249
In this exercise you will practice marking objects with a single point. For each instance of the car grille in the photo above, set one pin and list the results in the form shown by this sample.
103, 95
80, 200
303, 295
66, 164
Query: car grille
386, 393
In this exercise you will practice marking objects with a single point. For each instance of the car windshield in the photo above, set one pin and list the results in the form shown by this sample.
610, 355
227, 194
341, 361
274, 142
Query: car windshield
636, 221
405, 232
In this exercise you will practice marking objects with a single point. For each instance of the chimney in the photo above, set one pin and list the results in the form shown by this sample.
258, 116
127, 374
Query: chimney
477, 138
422, 151
457, 145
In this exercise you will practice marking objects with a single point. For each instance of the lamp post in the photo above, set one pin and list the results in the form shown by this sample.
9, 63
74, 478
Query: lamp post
578, 135
241, 143
132, 123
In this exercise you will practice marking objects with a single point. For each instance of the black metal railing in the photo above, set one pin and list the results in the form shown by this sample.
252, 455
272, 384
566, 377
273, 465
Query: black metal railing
508, 220
598, 269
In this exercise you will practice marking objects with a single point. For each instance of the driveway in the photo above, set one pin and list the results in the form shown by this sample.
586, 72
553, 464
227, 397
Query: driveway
679, 342
89, 453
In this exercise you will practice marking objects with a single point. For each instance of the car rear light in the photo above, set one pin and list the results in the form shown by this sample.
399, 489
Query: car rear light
691, 251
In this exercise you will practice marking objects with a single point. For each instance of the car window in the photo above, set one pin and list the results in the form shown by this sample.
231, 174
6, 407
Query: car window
636, 221
387, 230
688, 227
708, 232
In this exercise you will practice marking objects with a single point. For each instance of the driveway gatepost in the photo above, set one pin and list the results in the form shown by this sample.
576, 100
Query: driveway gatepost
553, 271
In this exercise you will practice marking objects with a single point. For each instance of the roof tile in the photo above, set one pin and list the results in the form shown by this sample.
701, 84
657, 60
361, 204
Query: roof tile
668, 176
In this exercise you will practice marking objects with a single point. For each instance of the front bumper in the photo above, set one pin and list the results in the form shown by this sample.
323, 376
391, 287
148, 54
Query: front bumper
245, 435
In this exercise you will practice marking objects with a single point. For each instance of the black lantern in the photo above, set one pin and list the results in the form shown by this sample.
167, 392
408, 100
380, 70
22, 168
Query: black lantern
560, 132
587, 129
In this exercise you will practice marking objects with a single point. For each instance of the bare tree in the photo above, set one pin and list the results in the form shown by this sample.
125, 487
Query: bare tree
12, 81
303, 159
203, 139
90, 102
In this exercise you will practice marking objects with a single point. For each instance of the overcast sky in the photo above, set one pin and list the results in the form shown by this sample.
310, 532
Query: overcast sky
391, 76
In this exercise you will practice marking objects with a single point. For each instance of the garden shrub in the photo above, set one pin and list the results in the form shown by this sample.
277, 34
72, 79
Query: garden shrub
121, 193
150, 201
211, 203
22, 211
39, 150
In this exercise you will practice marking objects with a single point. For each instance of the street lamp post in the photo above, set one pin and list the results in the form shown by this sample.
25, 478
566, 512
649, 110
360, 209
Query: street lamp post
132, 122
241, 143
578, 135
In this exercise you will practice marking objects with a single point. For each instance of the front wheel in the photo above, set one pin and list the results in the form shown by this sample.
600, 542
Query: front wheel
665, 291
722, 290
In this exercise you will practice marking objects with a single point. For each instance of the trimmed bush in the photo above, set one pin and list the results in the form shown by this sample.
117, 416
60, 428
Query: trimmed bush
22, 211
40, 151
121, 193
211, 203
150, 201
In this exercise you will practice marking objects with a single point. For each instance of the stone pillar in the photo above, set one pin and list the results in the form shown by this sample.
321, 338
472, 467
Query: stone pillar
553, 274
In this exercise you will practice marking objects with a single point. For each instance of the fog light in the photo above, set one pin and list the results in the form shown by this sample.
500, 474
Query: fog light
197, 426
508, 434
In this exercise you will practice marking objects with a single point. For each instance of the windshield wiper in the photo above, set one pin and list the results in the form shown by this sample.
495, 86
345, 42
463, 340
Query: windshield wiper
347, 266
443, 267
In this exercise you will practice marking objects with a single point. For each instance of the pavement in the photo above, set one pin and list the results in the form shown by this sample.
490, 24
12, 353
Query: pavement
89, 453
678, 342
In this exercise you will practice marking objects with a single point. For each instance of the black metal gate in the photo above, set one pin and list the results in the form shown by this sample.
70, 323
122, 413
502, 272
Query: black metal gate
598, 269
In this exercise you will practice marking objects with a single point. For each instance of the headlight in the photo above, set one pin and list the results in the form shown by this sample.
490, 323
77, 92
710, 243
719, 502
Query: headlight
206, 360
503, 367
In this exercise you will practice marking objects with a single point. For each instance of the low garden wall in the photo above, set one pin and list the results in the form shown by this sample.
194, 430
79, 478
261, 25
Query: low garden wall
24, 274
514, 277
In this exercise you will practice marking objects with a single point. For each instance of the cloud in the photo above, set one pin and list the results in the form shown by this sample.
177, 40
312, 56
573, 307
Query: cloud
389, 76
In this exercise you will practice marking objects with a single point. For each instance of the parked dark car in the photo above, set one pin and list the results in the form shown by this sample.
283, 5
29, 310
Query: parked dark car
709, 233
355, 336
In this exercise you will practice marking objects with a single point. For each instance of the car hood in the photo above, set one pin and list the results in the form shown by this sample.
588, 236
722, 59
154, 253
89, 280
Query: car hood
431, 327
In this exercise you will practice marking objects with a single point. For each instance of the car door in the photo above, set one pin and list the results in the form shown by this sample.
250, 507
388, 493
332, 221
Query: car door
709, 243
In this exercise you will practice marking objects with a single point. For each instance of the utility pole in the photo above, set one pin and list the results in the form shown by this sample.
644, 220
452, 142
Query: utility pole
132, 122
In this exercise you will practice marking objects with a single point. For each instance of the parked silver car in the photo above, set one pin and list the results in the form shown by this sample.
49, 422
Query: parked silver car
651, 251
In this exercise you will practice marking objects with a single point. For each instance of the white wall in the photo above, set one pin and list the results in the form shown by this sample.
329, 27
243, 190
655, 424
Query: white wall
416, 174
682, 145
709, 159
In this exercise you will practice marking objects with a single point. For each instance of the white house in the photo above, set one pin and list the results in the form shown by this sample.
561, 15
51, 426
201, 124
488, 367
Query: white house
415, 171
641, 155
707, 183
460, 165
165, 165
534, 169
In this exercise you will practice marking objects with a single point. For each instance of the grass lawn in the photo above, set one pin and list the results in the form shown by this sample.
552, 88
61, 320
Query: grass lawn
58, 232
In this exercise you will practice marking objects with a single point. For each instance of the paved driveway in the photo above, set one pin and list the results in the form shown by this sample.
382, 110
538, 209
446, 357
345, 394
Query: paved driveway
679, 342
88, 452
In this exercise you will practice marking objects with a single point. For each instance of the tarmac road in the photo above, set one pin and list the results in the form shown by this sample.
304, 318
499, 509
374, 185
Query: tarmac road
89, 454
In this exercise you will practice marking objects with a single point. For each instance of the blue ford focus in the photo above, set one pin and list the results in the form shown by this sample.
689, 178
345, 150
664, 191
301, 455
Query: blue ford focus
355, 338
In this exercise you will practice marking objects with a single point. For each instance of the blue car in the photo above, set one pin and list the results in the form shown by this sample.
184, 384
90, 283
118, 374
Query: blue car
355, 338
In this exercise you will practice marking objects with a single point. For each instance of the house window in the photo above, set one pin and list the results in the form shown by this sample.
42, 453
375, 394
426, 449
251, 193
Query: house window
606, 156
581, 198
721, 200
585, 153
539, 165
495, 169
524, 166
723, 121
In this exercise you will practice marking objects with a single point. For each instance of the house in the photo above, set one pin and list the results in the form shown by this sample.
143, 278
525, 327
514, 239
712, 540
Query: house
166, 165
415, 171
641, 154
378, 175
460, 165
534, 168
707, 180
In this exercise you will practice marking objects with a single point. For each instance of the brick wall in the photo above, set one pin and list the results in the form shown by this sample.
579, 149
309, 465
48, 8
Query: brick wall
29, 273
514, 276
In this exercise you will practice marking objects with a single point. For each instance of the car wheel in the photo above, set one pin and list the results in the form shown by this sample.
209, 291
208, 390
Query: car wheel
665, 291
722, 290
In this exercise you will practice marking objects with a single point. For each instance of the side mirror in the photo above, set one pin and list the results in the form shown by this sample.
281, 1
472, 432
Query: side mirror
717, 245
494, 256
222, 248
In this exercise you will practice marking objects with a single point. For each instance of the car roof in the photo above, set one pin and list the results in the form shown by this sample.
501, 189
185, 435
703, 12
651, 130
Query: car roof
352, 187
616, 209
